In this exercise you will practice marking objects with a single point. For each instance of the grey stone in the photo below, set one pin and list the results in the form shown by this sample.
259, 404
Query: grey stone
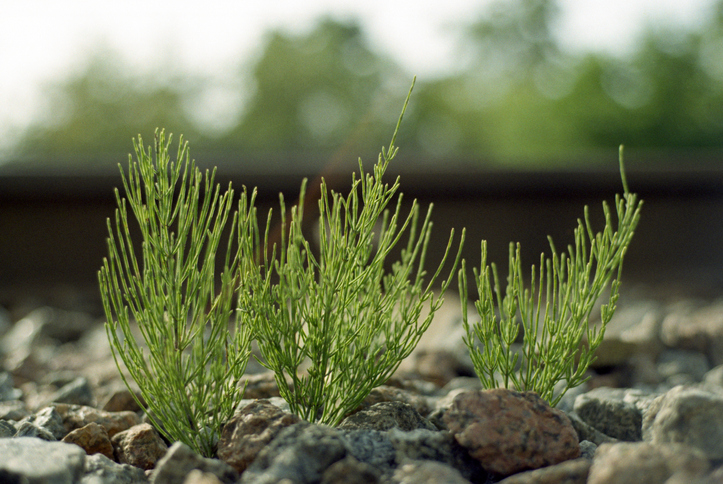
180, 460
371, 447
644, 463
276, 401
387, 415
615, 418
29, 429
439, 446
48, 419
587, 449
7, 429
386, 393
587, 432
77, 392
427, 472
300, 453
101, 470
689, 416
39, 462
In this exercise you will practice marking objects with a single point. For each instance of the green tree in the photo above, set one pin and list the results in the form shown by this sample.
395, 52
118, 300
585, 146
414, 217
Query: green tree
94, 113
313, 91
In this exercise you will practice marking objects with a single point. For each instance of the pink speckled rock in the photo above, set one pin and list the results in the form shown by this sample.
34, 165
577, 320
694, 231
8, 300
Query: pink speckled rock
509, 431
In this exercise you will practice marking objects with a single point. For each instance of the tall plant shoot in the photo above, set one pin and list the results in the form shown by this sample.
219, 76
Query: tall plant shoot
334, 326
559, 342
189, 364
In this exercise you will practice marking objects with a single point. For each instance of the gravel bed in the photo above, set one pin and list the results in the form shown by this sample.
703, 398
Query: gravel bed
652, 412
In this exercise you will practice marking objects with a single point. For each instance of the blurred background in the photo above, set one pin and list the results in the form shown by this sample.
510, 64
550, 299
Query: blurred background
514, 123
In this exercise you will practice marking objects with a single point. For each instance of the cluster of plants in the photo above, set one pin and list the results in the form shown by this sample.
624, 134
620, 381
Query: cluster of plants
330, 320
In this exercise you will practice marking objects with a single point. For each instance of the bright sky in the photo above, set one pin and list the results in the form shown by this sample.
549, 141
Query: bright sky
44, 39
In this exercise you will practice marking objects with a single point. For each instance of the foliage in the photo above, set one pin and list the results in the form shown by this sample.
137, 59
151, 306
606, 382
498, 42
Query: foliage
568, 287
94, 111
189, 377
312, 91
519, 97
333, 326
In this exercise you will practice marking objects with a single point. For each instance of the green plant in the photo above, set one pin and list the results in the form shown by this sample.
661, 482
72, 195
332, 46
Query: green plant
189, 378
568, 287
339, 315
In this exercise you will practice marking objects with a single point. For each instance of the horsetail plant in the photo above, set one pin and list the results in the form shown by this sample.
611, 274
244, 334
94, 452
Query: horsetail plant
568, 286
334, 326
189, 377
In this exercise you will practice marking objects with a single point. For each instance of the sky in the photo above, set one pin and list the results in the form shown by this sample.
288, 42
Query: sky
42, 40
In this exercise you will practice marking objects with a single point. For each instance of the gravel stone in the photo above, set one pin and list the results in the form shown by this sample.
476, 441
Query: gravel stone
139, 446
644, 463
77, 392
300, 453
427, 472
101, 470
49, 420
615, 418
509, 431
35, 461
180, 460
387, 415
249, 431
92, 438
688, 416
573, 471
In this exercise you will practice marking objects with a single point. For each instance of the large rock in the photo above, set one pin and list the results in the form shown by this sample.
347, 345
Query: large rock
249, 431
644, 463
688, 416
35, 461
509, 431
300, 453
